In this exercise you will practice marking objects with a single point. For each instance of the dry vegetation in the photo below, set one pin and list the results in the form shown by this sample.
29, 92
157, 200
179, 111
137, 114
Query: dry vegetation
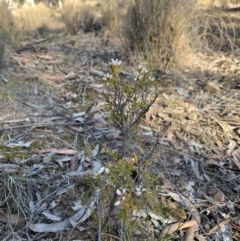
6, 27
170, 33
147, 166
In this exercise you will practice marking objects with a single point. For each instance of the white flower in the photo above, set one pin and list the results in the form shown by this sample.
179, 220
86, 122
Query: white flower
136, 77
138, 194
115, 62
138, 191
118, 192
121, 193
142, 69
107, 76
139, 76
110, 183
120, 196
117, 203
151, 78
103, 170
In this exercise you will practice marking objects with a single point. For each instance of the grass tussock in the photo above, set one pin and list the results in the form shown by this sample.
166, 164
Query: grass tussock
30, 18
164, 31
6, 27
81, 14
6, 18
113, 13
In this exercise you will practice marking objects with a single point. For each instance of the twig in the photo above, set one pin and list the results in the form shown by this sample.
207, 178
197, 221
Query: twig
99, 207
47, 124
29, 46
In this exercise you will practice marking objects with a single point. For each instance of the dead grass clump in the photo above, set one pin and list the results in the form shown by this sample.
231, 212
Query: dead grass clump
6, 26
113, 13
14, 205
208, 32
6, 18
164, 30
153, 27
31, 18
81, 14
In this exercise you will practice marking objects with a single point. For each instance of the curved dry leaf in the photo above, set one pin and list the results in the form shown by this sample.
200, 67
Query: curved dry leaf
95, 108
9, 167
216, 194
96, 72
77, 218
212, 87
177, 197
236, 156
77, 129
44, 56
212, 200
190, 234
231, 146
71, 75
190, 185
228, 129
167, 185
56, 78
13, 219
179, 226
160, 218
51, 216
59, 151
143, 214
96, 85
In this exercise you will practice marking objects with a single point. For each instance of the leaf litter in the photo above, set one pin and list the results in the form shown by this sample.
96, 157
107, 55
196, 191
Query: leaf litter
55, 113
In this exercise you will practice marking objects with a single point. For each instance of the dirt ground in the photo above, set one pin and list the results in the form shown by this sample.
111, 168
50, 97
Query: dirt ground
48, 88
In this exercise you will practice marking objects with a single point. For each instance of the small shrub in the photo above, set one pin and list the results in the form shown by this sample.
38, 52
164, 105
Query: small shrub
120, 197
125, 195
128, 102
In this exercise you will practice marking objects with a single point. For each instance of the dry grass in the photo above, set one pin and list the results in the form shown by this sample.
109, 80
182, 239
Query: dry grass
164, 31
30, 18
154, 27
167, 33
208, 130
114, 13
202, 128
208, 32
6, 27
6, 19
81, 14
